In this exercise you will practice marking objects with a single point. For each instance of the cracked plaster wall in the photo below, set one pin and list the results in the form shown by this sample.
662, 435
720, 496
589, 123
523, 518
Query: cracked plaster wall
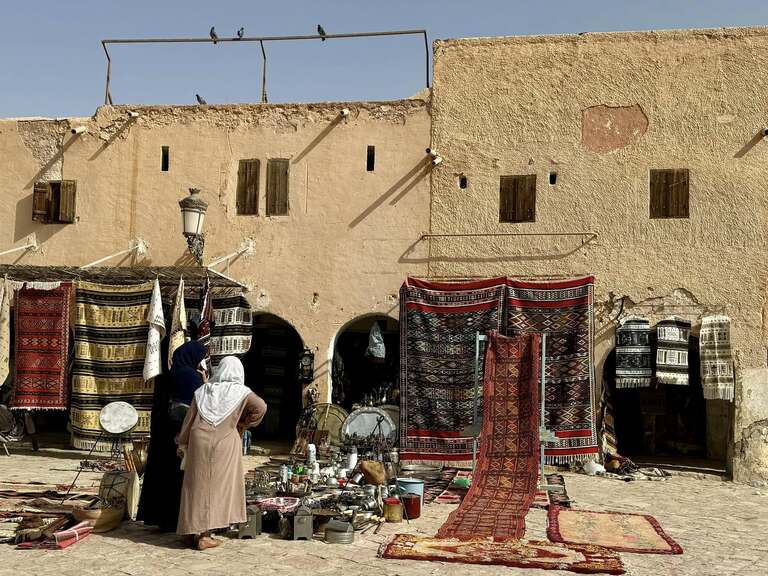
516, 105
335, 257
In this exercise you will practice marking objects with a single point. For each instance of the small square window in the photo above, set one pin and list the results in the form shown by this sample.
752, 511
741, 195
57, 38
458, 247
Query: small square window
669, 193
517, 198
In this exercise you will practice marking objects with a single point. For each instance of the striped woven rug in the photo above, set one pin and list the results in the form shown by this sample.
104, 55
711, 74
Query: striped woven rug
110, 346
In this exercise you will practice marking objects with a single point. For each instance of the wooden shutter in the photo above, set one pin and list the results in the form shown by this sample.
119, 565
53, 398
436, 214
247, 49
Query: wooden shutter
248, 186
277, 187
68, 192
669, 193
40, 200
517, 198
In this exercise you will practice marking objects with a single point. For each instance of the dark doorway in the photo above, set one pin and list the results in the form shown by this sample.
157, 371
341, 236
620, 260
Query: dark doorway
359, 377
271, 370
665, 424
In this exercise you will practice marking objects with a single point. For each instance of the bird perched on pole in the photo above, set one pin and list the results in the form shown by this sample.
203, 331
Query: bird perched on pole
200, 99
241, 33
321, 32
213, 35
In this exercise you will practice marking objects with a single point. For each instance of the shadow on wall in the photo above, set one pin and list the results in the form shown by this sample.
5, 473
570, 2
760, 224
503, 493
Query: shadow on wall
317, 139
406, 258
415, 175
24, 225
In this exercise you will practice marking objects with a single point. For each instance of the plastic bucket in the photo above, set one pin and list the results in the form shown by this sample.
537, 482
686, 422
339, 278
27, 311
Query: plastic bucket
411, 486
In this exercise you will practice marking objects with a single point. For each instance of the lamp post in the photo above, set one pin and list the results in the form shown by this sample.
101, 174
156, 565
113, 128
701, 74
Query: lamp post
193, 209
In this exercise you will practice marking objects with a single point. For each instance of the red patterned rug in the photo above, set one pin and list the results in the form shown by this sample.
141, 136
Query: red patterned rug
41, 326
505, 478
618, 531
439, 322
564, 311
582, 558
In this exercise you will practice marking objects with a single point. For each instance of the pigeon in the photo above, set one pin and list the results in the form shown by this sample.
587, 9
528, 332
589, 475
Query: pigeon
321, 32
213, 35
240, 33
200, 99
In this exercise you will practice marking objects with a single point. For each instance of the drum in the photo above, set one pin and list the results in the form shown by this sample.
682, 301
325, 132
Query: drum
369, 422
118, 418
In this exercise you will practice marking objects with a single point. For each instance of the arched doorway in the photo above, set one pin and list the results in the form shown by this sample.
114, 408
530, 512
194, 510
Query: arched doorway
359, 374
271, 370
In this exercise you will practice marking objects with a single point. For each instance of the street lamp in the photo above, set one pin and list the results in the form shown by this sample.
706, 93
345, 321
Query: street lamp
193, 209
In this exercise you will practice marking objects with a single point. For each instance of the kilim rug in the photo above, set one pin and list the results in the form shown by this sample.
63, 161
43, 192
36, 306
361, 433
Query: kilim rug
614, 530
434, 488
555, 495
564, 311
232, 327
41, 349
110, 346
438, 324
506, 474
716, 358
582, 558
634, 361
672, 351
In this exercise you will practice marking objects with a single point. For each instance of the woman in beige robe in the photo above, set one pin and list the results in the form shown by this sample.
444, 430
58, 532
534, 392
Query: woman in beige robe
213, 493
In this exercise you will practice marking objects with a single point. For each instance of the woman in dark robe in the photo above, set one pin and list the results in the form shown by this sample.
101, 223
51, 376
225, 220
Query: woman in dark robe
163, 477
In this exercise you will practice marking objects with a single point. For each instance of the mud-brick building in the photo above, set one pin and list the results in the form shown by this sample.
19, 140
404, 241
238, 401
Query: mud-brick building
332, 196
564, 144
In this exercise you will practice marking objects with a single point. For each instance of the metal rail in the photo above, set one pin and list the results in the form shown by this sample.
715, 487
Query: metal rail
590, 235
261, 40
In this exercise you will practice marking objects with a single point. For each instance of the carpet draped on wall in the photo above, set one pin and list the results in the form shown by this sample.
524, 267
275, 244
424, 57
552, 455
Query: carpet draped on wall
717, 377
438, 324
672, 336
564, 311
41, 348
634, 360
232, 327
110, 349
506, 476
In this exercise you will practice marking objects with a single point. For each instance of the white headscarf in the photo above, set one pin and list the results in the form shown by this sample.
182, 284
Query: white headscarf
218, 398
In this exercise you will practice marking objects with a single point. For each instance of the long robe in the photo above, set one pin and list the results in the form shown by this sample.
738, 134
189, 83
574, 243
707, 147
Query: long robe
213, 494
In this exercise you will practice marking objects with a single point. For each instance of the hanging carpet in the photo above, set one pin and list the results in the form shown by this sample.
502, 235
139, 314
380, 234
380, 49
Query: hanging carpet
41, 326
672, 351
110, 348
563, 310
439, 322
506, 475
634, 361
232, 327
716, 358
581, 558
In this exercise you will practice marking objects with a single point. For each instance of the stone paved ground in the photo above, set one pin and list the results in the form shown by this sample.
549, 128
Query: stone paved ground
723, 528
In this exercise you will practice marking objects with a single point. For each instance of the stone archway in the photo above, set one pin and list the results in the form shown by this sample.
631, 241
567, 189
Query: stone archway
360, 378
271, 370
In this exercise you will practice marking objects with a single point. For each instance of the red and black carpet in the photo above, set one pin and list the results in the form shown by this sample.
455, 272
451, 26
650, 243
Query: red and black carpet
563, 310
439, 322
506, 475
41, 349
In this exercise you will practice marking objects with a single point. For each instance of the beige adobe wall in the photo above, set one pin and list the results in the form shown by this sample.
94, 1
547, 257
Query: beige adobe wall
601, 110
336, 256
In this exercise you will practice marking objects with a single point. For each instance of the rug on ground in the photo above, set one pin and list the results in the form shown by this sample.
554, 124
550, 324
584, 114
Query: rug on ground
41, 348
110, 349
563, 310
439, 323
618, 531
506, 475
582, 558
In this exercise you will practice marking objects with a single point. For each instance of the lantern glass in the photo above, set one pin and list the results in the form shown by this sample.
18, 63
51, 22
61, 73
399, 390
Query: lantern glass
193, 209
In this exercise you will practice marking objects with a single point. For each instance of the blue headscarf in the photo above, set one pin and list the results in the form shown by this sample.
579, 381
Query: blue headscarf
184, 376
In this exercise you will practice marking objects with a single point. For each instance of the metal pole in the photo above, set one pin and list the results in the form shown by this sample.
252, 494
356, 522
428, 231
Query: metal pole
426, 55
263, 74
107, 96
542, 400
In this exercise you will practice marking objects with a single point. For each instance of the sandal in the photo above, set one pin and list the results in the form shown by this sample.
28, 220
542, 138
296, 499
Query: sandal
207, 542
